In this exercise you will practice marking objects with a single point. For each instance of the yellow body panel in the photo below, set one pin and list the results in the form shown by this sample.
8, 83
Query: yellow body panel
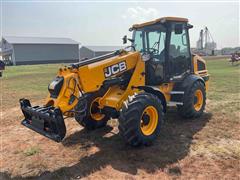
202, 73
90, 78
115, 95
166, 88
92, 75
66, 91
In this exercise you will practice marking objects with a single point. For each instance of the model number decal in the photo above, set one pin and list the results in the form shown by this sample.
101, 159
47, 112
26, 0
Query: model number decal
114, 69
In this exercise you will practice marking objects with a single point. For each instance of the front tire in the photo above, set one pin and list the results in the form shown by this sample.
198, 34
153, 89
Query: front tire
89, 115
140, 119
194, 101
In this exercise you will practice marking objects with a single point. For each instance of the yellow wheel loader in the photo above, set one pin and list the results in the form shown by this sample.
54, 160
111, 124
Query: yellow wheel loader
135, 85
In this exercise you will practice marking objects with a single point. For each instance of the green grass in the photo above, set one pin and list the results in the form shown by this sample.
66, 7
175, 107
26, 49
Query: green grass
26, 81
225, 79
224, 89
30, 78
31, 151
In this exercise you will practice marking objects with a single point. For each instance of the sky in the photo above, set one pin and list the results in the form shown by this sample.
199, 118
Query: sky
105, 23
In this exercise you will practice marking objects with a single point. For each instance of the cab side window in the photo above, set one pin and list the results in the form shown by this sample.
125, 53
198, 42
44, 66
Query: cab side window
155, 67
138, 41
178, 45
153, 37
157, 41
179, 54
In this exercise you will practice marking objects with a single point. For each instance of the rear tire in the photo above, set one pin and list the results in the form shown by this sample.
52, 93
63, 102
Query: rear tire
140, 119
194, 101
89, 116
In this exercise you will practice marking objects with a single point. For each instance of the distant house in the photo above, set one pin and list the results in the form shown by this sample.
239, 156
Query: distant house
94, 51
39, 50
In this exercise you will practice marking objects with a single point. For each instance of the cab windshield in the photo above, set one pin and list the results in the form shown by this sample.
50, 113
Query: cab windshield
150, 39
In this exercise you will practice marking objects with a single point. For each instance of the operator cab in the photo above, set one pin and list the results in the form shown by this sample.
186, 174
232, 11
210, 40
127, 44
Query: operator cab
166, 40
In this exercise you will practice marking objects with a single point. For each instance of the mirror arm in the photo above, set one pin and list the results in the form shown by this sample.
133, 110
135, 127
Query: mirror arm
131, 40
132, 46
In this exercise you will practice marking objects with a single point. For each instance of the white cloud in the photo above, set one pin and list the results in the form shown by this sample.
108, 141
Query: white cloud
140, 14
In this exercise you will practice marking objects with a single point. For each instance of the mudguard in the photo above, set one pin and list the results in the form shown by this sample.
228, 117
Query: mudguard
185, 86
190, 80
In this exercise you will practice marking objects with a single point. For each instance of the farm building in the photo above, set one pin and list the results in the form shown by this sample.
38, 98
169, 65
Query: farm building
39, 50
94, 51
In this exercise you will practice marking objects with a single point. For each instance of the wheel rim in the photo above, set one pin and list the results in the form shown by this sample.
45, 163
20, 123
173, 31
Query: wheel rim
149, 120
198, 100
95, 111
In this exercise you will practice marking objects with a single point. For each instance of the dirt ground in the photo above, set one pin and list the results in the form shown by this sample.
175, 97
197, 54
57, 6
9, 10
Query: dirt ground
203, 148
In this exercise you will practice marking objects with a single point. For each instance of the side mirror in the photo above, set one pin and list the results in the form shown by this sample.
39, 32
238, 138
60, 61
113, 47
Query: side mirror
189, 26
124, 39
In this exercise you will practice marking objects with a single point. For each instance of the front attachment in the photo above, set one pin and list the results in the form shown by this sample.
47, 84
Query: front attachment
47, 121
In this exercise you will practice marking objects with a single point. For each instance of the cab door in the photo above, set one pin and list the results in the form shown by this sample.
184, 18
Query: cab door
179, 56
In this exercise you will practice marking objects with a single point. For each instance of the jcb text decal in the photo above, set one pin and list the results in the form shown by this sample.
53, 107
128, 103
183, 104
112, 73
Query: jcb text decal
114, 69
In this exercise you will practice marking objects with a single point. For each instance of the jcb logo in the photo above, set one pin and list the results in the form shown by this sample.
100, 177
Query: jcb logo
114, 69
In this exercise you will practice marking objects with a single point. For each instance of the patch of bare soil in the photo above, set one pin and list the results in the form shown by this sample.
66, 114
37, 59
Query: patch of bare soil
204, 148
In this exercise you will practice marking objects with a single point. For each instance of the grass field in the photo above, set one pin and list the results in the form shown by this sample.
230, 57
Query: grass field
204, 148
